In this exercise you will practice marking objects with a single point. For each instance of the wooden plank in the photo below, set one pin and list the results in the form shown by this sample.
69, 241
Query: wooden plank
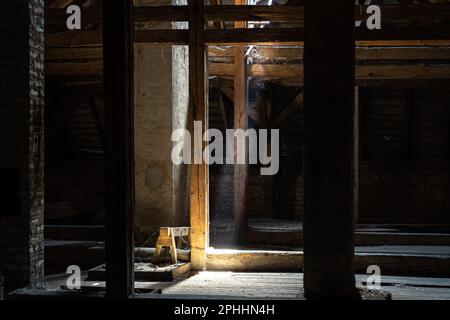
253, 36
59, 16
60, 3
161, 13
296, 35
292, 13
267, 36
363, 72
258, 285
254, 261
401, 43
409, 53
241, 12
286, 13
83, 68
175, 37
362, 53
411, 281
141, 14
119, 168
417, 71
404, 33
280, 238
73, 38
166, 274
198, 111
90, 38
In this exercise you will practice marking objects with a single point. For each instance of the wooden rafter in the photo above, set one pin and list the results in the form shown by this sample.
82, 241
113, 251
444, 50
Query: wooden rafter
288, 110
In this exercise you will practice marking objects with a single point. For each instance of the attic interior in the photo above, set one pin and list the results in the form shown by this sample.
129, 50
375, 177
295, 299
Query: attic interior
88, 123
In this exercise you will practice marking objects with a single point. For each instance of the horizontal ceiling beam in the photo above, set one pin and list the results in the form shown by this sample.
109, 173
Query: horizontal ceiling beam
268, 53
276, 53
287, 36
277, 71
251, 13
363, 72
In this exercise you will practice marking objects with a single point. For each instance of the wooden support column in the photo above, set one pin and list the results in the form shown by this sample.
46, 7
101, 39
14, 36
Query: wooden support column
329, 113
198, 111
240, 122
118, 75
408, 112
356, 158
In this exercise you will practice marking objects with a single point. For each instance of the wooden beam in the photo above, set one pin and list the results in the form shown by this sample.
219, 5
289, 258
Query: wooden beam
228, 92
94, 38
328, 149
161, 13
363, 72
240, 122
268, 36
362, 53
276, 71
81, 68
119, 168
198, 111
355, 164
60, 3
241, 12
288, 110
223, 110
59, 16
407, 152
73, 53
410, 53
73, 38
286, 13
291, 13
174, 37
253, 36
289, 36
404, 33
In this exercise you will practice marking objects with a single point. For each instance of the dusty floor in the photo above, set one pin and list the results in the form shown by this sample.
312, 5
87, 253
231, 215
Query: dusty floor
231, 285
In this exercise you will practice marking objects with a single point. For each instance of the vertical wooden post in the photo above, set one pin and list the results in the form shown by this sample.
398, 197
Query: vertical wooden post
118, 76
329, 114
240, 122
356, 158
408, 112
198, 111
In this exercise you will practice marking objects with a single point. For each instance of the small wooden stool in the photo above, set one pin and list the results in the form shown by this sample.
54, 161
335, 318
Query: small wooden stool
167, 237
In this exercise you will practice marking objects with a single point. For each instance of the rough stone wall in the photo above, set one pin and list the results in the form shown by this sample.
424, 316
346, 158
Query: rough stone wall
21, 142
161, 99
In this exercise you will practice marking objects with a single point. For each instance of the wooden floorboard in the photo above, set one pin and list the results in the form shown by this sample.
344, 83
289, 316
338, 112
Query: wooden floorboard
245, 285
256, 286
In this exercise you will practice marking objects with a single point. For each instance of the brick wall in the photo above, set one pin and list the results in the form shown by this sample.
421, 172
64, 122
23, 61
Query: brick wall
21, 142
